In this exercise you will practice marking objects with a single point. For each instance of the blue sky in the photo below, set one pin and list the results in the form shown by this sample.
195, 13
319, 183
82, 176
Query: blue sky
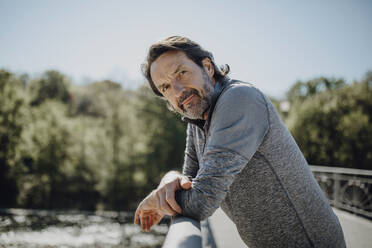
269, 43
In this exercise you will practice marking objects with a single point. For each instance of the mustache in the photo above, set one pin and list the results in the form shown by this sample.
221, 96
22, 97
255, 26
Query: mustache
185, 96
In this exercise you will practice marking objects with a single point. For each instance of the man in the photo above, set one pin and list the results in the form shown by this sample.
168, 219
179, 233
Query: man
239, 156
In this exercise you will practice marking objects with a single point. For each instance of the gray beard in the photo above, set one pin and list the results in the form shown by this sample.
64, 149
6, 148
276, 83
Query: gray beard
197, 110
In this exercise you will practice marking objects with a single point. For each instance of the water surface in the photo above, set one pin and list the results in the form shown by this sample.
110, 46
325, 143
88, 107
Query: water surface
21, 228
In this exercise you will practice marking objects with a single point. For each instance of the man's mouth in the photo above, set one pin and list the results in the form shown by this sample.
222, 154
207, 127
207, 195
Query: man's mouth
187, 100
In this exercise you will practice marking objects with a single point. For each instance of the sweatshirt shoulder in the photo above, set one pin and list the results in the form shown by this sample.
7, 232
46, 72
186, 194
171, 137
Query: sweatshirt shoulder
239, 93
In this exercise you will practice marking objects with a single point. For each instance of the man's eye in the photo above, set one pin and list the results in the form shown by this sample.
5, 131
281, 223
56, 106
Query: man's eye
165, 88
182, 72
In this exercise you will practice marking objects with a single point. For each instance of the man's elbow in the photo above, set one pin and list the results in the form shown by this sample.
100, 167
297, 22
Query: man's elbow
201, 213
196, 204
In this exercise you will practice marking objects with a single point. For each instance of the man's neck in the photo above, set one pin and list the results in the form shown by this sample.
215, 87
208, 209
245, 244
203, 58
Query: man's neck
205, 115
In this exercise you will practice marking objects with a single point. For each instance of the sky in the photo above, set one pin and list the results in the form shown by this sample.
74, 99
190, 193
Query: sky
271, 44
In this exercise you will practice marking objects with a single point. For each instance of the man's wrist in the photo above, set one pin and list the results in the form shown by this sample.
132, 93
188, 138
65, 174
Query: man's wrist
171, 175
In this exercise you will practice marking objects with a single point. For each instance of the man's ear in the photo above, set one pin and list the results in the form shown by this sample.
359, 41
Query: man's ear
208, 67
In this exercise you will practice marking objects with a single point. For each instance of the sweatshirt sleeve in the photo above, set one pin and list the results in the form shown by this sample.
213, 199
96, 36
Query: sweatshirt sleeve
191, 164
238, 126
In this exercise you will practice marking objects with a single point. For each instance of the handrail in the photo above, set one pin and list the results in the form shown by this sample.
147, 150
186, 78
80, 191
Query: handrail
339, 170
183, 232
346, 188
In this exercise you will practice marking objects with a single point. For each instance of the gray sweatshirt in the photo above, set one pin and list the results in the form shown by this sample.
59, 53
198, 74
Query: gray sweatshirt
244, 160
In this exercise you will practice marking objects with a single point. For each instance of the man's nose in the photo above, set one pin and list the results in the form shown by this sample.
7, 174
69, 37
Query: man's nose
178, 89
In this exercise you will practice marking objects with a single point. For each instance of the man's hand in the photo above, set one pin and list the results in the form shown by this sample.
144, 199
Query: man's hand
147, 212
161, 201
170, 183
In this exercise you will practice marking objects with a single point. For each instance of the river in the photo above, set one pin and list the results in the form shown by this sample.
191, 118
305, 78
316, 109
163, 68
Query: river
20, 228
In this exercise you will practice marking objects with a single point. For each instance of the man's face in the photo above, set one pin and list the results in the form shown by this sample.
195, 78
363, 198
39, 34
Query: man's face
186, 86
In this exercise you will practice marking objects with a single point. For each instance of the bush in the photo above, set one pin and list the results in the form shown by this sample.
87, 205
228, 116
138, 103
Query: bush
334, 127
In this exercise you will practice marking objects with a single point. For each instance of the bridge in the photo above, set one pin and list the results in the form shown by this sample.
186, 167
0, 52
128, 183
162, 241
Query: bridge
349, 191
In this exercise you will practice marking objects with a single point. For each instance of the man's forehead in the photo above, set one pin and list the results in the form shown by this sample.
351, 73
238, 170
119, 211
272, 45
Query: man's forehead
167, 63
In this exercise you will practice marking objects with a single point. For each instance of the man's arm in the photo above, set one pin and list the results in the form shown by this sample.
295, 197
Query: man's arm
161, 201
173, 180
239, 124
191, 164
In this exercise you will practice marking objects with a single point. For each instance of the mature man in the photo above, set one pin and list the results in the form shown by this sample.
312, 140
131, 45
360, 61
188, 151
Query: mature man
239, 156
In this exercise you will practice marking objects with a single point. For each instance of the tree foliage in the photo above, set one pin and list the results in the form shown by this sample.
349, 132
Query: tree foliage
334, 127
12, 108
303, 90
51, 85
165, 136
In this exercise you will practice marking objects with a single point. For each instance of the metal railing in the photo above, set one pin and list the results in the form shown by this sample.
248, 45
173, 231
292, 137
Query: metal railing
345, 188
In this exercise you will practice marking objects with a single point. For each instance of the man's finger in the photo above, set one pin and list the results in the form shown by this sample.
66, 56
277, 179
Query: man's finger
150, 221
157, 218
146, 223
172, 201
153, 220
143, 226
185, 183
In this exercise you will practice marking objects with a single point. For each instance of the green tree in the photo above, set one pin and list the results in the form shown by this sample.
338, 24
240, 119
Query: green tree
166, 137
12, 110
46, 140
51, 85
302, 90
334, 127
112, 110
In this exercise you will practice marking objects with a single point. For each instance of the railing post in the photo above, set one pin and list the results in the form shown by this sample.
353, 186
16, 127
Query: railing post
352, 188
336, 189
